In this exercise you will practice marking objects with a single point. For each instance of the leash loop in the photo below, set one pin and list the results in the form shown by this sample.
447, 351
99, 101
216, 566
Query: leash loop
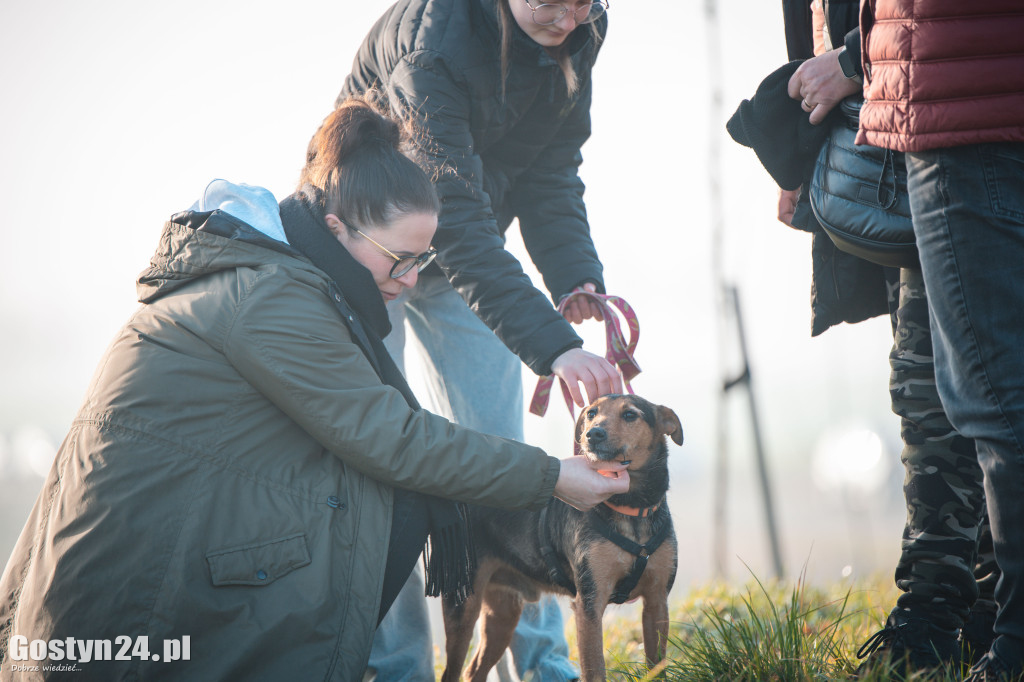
619, 351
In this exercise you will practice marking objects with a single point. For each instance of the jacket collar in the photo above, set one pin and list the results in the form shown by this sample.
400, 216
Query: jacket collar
308, 233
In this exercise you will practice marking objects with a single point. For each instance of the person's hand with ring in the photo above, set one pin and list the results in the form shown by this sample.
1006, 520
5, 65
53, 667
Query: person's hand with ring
820, 84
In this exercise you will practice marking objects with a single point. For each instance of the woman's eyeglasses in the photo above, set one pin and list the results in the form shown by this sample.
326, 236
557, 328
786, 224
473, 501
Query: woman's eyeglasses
551, 13
403, 264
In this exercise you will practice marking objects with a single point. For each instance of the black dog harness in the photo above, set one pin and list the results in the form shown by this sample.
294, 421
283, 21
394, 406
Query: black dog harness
630, 581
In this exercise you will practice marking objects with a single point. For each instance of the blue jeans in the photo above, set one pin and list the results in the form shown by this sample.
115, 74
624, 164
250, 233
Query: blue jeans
473, 380
968, 208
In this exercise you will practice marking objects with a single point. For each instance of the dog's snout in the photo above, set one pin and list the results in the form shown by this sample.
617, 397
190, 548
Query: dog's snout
596, 435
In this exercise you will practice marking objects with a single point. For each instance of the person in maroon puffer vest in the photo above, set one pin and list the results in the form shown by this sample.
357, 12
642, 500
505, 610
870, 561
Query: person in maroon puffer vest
944, 82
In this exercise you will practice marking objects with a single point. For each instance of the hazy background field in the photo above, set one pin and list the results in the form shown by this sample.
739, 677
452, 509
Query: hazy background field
117, 113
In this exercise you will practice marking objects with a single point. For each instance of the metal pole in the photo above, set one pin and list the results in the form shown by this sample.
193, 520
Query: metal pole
755, 423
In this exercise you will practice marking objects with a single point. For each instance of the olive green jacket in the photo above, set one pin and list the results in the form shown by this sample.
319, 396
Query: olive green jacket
229, 477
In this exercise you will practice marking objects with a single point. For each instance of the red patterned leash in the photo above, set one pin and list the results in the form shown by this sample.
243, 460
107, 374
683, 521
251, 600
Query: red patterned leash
619, 353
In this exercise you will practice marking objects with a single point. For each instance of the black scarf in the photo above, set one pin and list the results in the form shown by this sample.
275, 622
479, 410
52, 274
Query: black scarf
448, 555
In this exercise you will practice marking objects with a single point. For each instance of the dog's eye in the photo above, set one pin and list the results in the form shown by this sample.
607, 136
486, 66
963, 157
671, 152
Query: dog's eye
629, 416
591, 414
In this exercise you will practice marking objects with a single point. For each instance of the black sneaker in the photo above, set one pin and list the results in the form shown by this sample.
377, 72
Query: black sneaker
977, 633
907, 645
991, 668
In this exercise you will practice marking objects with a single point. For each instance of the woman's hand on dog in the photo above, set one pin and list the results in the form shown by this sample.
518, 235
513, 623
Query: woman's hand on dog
597, 375
579, 484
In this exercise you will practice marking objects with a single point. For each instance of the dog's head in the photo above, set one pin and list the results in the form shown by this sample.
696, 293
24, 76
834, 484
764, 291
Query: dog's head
625, 428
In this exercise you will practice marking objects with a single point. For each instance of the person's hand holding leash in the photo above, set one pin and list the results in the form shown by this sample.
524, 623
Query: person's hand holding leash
579, 484
580, 309
599, 377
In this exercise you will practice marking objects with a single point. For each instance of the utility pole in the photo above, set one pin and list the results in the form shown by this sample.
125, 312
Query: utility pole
719, 524
744, 380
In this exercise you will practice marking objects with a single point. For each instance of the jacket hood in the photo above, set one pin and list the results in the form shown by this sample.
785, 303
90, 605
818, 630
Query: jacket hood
198, 243
230, 226
253, 205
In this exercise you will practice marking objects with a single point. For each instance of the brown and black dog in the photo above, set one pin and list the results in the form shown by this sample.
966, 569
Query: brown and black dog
621, 550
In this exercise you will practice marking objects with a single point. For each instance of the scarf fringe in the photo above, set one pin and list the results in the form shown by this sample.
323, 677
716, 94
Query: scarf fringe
449, 559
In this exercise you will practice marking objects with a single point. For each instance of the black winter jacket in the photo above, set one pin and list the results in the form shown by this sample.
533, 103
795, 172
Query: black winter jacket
511, 152
844, 288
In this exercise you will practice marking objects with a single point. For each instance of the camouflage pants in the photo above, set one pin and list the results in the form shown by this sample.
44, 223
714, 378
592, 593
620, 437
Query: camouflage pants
946, 563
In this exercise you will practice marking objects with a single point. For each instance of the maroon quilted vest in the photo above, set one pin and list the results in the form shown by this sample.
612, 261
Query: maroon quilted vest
942, 73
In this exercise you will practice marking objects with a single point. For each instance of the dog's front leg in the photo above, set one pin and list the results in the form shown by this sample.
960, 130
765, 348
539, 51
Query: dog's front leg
655, 622
588, 610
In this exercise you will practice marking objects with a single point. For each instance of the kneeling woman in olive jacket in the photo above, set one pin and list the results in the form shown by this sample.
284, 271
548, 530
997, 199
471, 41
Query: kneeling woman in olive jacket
246, 443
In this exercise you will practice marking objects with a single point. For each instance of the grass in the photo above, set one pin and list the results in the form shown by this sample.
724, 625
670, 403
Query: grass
764, 631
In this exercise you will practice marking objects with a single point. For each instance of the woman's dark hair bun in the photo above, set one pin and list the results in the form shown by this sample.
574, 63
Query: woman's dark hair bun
367, 127
364, 161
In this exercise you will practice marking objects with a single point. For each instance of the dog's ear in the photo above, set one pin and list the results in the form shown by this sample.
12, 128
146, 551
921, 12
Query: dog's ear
579, 424
668, 424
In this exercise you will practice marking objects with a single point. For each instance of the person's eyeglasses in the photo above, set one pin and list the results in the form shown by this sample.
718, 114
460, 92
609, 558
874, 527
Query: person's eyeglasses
551, 13
403, 264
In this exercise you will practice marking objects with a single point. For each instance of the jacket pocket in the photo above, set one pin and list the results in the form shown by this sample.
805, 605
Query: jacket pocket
1004, 168
258, 563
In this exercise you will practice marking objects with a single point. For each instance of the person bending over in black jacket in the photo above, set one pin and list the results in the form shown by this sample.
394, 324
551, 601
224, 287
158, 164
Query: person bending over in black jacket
502, 91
